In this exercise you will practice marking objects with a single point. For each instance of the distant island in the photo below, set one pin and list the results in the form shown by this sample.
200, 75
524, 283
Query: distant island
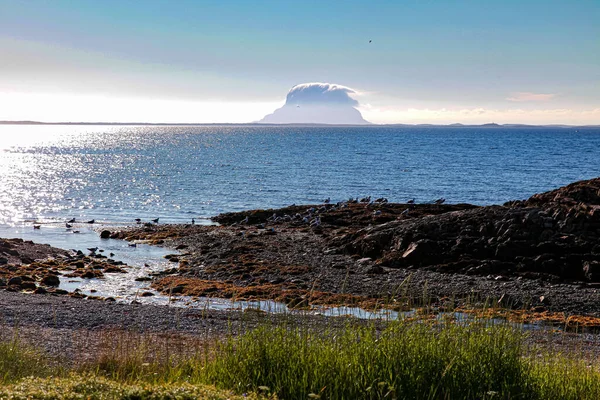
318, 103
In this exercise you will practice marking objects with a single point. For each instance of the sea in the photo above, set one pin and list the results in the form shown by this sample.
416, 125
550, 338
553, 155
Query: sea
50, 174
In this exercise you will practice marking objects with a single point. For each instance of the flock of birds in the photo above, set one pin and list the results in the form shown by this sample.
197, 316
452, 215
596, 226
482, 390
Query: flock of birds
312, 215
70, 223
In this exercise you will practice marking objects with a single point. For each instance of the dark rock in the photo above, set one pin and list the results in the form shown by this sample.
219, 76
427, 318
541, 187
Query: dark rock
28, 285
50, 280
177, 289
15, 280
40, 290
105, 234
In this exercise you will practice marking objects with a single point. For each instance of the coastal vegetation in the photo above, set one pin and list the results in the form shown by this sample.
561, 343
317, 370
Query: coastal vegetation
417, 358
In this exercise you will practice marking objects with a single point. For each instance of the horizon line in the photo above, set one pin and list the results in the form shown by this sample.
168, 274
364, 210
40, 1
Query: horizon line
456, 124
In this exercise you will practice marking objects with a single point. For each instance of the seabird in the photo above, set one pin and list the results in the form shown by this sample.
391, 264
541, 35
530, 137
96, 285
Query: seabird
71, 221
92, 249
411, 201
37, 226
155, 220
440, 201
327, 200
91, 221
193, 221
405, 212
68, 226
138, 220
370, 41
132, 245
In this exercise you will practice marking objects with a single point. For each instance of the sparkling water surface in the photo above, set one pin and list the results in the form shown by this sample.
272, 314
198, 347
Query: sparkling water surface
115, 174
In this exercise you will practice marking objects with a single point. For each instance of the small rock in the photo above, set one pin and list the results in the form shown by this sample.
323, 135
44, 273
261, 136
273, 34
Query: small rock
15, 280
147, 294
28, 285
50, 280
177, 289
40, 290
105, 234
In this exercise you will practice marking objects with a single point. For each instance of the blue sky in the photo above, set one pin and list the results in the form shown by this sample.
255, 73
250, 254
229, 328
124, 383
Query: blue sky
234, 61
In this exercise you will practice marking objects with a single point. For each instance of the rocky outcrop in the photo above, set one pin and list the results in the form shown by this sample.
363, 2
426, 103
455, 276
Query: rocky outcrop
552, 235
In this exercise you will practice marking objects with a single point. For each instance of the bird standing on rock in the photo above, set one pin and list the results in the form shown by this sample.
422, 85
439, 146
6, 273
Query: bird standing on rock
155, 220
440, 201
68, 226
71, 221
91, 221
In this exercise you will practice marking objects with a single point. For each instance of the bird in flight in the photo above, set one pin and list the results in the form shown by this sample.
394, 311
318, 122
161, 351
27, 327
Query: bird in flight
370, 41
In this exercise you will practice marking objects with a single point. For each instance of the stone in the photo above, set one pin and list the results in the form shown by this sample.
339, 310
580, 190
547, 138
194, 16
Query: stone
50, 280
15, 280
28, 285
105, 234
177, 289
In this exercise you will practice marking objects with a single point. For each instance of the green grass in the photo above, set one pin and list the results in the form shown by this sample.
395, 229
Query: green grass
406, 360
18, 361
402, 360
84, 387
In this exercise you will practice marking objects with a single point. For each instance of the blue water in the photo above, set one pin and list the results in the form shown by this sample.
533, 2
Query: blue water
116, 174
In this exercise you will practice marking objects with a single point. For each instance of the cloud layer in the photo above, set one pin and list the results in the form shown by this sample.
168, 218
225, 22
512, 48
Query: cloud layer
318, 103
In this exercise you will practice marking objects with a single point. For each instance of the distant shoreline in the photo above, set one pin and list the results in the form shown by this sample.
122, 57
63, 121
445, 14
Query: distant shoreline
487, 126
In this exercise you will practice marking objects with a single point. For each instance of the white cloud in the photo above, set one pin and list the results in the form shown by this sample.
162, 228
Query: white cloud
320, 103
317, 92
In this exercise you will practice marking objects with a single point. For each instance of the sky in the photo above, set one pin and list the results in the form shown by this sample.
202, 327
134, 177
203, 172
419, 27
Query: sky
234, 61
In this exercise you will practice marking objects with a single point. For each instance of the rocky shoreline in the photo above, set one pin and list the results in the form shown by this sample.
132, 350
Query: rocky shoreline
540, 255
